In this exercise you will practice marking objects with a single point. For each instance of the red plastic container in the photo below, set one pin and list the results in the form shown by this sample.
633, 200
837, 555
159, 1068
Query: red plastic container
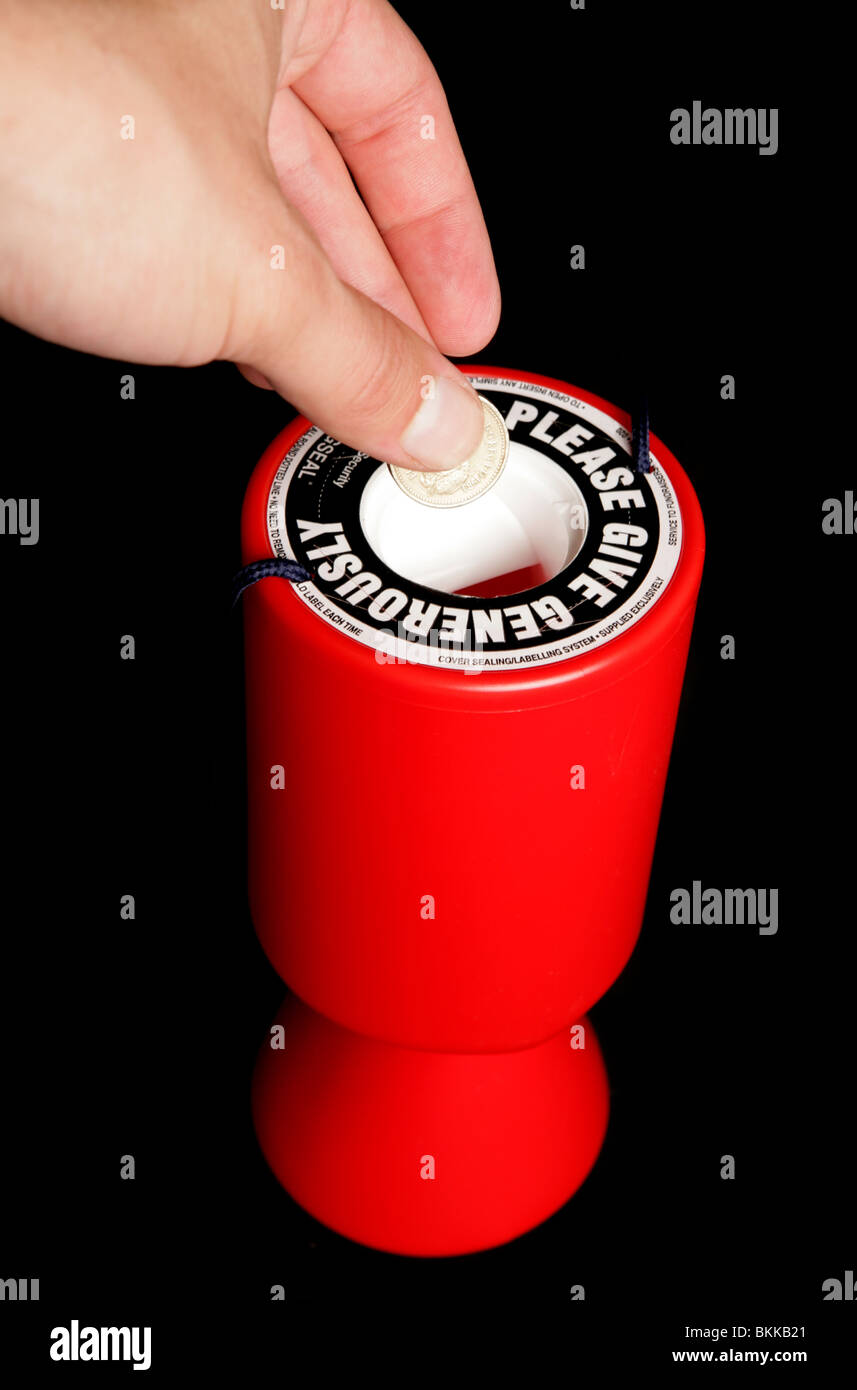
455, 857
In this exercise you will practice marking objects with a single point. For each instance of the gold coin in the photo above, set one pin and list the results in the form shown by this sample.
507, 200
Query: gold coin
452, 487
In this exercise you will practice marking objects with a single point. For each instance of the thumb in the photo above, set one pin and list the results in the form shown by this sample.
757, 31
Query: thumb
349, 365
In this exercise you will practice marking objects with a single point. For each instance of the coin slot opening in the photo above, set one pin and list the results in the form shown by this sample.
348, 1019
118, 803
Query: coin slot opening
519, 534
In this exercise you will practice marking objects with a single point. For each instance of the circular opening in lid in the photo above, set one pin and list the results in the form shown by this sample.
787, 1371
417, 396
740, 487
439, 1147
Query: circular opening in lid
522, 532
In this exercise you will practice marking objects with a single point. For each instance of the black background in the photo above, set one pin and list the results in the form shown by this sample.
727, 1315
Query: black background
128, 777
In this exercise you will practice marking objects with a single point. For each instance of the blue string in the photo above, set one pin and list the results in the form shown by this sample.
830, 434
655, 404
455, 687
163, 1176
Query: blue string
640, 435
265, 569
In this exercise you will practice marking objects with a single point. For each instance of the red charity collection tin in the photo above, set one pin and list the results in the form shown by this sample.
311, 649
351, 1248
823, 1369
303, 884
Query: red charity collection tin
458, 737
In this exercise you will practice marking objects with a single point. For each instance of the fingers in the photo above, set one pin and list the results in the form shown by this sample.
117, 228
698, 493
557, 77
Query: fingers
347, 363
377, 93
316, 181
255, 378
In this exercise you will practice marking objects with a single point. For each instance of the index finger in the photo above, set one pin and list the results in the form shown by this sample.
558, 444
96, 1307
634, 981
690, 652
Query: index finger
378, 94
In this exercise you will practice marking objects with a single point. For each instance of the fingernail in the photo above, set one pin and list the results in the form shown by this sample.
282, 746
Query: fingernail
446, 428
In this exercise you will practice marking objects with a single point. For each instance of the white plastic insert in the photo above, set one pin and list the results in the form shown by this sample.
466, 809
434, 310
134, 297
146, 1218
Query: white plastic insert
522, 532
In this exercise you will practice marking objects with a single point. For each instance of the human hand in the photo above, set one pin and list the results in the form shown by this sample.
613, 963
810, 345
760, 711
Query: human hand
176, 189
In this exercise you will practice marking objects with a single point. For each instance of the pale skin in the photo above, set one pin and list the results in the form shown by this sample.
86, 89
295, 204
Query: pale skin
248, 124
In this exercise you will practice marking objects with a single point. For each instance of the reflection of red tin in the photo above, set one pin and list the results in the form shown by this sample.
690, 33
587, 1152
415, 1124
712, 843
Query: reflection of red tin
456, 855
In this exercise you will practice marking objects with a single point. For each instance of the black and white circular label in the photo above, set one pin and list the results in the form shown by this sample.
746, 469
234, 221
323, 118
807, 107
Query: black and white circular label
566, 551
